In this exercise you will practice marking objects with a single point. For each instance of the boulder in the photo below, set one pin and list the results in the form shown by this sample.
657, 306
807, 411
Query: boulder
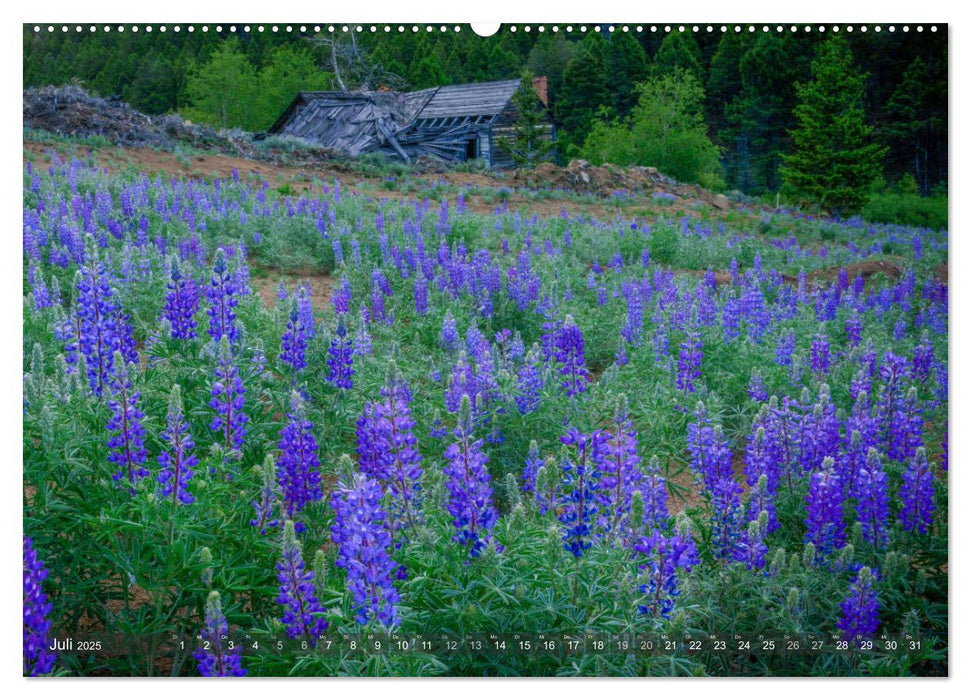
720, 201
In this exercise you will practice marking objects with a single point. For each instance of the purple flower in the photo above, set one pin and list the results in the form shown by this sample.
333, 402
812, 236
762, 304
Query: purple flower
854, 329
177, 462
689, 363
660, 557
387, 448
923, 359
861, 609
213, 658
533, 464
362, 339
302, 615
785, 347
127, 442
529, 383
298, 467
824, 510
870, 491
756, 387
265, 504
450, 334
340, 358
38, 658
751, 548
421, 295
228, 399
294, 339
361, 533
568, 352
917, 494
581, 484
98, 318
222, 296
619, 465
819, 354
341, 297
654, 493
181, 304
470, 493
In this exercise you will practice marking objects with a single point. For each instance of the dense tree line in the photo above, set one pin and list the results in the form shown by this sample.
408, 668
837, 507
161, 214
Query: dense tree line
747, 84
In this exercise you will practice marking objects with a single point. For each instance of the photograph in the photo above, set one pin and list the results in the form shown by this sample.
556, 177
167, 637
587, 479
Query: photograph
456, 350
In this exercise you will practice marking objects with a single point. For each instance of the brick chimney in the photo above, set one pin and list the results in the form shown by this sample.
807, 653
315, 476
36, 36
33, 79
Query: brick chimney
542, 89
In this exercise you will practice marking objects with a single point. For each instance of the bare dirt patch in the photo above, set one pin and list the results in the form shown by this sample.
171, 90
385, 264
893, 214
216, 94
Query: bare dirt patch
321, 287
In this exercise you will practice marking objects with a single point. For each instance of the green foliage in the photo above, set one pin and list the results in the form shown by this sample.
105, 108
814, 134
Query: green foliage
222, 90
584, 89
907, 209
679, 52
666, 130
835, 163
531, 143
426, 71
626, 67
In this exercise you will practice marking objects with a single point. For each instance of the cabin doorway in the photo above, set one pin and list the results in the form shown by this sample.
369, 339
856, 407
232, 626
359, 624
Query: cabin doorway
471, 150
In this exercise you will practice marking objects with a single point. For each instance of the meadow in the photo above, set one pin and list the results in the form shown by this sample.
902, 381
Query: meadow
336, 430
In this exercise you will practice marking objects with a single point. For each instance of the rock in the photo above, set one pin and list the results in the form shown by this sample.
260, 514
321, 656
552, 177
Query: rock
720, 201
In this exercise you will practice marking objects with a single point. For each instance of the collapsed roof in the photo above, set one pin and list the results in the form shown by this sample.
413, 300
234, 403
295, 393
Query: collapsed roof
436, 121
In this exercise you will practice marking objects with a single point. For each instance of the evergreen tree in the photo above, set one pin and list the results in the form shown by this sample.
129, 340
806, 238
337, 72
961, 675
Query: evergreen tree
530, 143
679, 51
916, 124
584, 89
626, 67
426, 72
503, 63
759, 118
834, 162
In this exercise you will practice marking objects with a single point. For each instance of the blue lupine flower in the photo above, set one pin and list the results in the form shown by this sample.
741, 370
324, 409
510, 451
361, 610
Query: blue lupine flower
917, 494
98, 317
222, 296
177, 462
861, 609
568, 351
470, 493
362, 536
619, 466
824, 510
264, 506
341, 297
533, 464
38, 658
127, 442
340, 358
450, 334
581, 484
302, 615
529, 383
872, 501
660, 557
181, 304
294, 340
689, 363
214, 658
298, 467
228, 400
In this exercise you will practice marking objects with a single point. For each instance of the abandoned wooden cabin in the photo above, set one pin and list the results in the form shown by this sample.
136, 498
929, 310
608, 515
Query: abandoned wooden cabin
453, 122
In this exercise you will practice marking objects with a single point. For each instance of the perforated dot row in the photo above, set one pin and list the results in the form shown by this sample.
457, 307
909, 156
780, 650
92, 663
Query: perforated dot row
387, 28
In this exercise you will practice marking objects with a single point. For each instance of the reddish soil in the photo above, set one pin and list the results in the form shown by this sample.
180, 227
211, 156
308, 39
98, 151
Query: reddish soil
865, 269
321, 287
